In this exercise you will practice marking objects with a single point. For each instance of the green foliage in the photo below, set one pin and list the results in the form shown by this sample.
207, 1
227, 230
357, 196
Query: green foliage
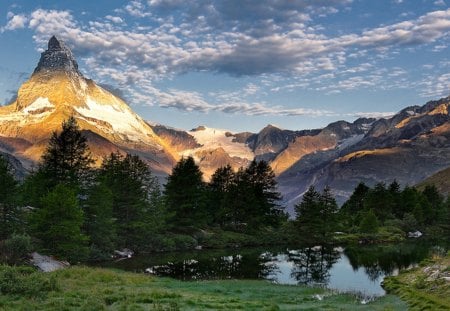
247, 199
220, 184
408, 209
369, 222
316, 216
136, 200
58, 224
17, 248
83, 288
10, 218
185, 195
67, 158
25, 282
99, 224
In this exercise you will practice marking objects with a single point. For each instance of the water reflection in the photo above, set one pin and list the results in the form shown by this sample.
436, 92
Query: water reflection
312, 265
355, 269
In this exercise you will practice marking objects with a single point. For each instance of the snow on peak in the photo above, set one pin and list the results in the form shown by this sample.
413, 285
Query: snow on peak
212, 138
119, 117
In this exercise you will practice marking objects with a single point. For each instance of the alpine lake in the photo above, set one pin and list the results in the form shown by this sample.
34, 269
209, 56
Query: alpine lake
354, 269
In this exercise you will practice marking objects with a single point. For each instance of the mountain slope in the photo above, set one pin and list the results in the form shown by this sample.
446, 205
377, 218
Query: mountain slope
408, 147
57, 90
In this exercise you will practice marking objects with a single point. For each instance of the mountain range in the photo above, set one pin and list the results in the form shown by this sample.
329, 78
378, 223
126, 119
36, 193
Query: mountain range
408, 147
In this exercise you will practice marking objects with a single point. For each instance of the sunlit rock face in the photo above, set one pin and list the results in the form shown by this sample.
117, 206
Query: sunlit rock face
408, 147
57, 90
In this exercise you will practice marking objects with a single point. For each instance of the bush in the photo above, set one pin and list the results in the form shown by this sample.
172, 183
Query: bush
25, 281
17, 247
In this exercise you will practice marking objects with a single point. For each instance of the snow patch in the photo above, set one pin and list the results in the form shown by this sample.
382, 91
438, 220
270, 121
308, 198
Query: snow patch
345, 143
121, 119
212, 138
39, 104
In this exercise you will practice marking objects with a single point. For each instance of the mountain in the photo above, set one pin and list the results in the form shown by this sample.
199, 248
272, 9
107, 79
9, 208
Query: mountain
57, 90
408, 147
441, 180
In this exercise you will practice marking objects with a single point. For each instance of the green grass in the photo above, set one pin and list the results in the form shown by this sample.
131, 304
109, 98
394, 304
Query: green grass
419, 290
82, 288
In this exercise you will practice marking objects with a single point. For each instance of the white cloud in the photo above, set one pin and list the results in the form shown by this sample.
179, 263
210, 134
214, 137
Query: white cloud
279, 38
15, 22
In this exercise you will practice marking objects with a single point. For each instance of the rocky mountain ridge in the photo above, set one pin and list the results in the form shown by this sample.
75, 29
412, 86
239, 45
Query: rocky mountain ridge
409, 146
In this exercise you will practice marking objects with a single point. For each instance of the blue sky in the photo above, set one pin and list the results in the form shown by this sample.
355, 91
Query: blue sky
242, 64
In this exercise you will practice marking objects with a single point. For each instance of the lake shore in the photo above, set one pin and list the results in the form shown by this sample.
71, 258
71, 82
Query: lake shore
426, 287
88, 288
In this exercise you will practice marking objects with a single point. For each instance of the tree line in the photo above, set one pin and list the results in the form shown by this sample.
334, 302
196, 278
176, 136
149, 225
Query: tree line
78, 212
71, 209
379, 213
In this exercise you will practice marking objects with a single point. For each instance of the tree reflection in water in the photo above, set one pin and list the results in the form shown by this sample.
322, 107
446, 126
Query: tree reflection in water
312, 265
379, 260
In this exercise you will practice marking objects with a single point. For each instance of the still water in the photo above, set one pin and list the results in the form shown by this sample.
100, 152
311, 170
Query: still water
353, 269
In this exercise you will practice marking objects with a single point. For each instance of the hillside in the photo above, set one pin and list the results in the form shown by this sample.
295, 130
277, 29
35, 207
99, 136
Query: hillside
441, 180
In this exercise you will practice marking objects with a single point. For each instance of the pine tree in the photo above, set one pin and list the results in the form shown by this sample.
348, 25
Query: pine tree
67, 158
369, 222
220, 184
100, 225
308, 216
185, 195
134, 193
316, 216
58, 224
329, 209
350, 210
9, 214
265, 209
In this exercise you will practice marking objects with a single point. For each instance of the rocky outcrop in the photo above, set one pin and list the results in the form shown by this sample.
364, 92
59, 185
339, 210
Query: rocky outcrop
57, 57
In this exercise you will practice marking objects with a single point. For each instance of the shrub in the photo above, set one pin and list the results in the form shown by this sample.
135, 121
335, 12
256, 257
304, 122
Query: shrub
25, 281
17, 247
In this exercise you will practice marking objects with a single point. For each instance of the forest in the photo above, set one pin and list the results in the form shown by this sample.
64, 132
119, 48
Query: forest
68, 208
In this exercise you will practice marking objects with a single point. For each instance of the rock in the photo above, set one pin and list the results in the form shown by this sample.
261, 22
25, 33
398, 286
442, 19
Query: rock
47, 263
415, 234
125, 253
433, 276
57, 57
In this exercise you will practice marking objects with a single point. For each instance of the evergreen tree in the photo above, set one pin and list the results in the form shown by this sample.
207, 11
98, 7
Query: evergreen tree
67, 158
58, 224
329, 209
436, 204
316, 216
9, 214
308, 216
220, 184
185, 194
350, 210
100, 225
134, 195
237, 200
265, 209
380, 200
369, 222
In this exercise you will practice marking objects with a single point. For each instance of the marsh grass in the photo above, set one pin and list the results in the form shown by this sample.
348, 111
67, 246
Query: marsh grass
82, 288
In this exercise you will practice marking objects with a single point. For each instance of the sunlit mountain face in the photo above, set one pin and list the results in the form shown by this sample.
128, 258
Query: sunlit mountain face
57, 90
